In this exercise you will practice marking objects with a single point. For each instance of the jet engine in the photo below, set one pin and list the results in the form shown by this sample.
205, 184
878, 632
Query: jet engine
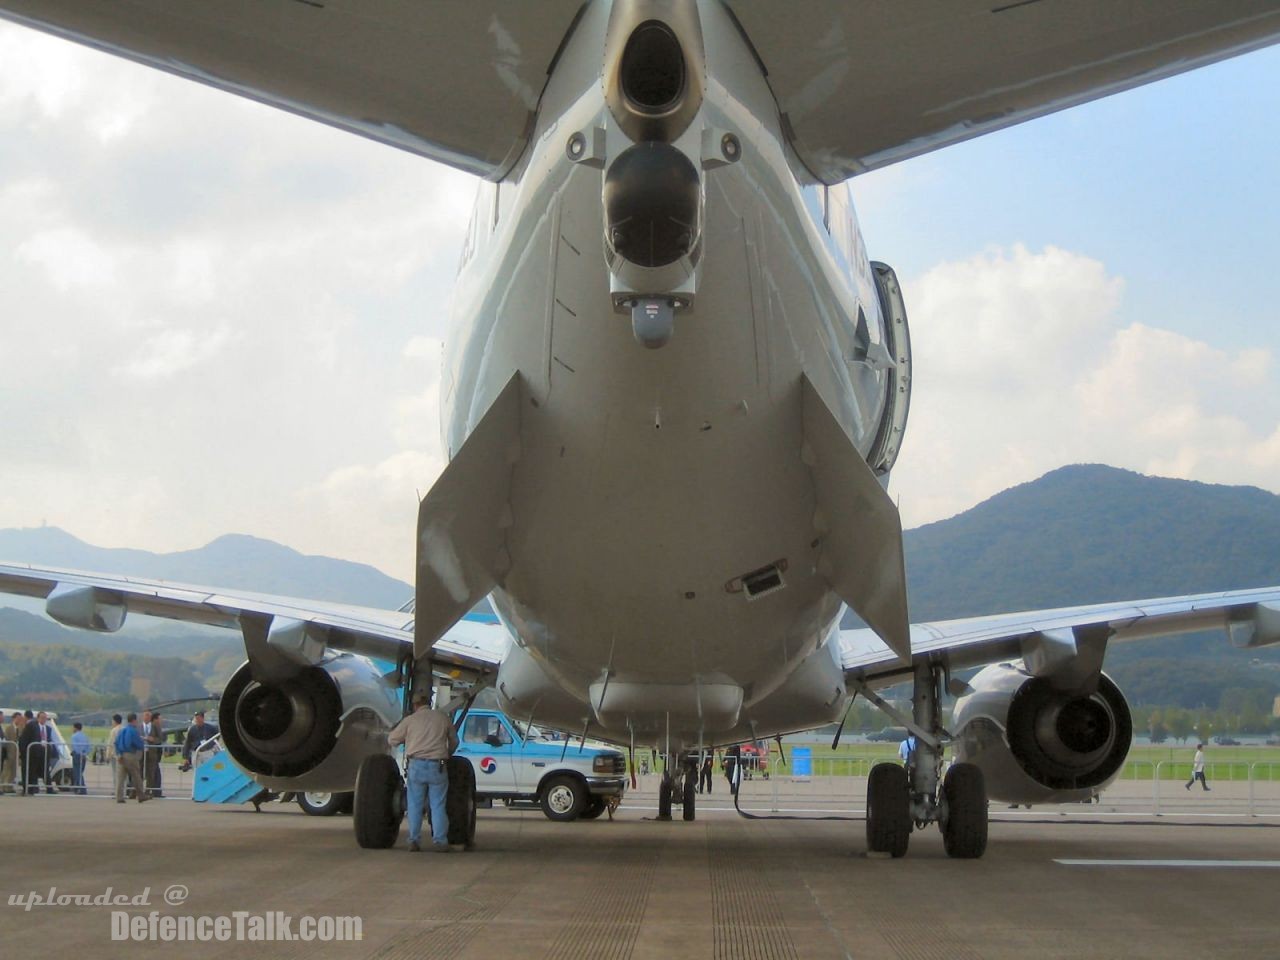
1036, 743
310, 730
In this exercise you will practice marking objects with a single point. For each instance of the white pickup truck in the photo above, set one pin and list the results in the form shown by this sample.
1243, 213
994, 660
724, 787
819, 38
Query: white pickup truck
512, 763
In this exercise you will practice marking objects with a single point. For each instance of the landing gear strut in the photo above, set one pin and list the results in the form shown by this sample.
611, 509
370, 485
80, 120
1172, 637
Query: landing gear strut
918, 795
679, 783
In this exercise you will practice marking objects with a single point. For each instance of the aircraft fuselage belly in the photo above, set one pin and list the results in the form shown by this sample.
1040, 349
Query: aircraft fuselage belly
649, 482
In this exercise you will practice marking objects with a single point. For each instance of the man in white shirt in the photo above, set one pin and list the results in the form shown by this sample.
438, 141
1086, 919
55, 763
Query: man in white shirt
1197, 768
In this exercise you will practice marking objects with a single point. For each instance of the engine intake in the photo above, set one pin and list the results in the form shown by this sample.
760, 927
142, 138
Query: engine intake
310, 731
1038, 744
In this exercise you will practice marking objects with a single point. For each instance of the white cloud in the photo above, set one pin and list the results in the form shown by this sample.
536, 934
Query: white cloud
1024, 363
172, 352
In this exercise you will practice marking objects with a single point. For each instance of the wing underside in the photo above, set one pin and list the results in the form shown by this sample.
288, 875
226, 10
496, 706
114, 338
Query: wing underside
454, 80
863, 85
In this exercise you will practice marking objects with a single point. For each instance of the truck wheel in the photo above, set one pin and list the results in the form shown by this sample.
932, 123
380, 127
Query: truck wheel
320, 804
379, 804
460, 804
563, 798
595, 806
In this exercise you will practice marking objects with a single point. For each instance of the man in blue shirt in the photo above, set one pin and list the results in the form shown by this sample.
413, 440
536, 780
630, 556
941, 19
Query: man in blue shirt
80, 747
129, 760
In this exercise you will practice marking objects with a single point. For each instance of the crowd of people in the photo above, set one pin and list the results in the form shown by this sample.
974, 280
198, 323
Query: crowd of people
34, 753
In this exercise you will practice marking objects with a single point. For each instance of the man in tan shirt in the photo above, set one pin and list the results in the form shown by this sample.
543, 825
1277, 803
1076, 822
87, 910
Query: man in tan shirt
429, 741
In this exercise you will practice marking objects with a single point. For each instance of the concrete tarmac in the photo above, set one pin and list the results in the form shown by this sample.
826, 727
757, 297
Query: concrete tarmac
720, 886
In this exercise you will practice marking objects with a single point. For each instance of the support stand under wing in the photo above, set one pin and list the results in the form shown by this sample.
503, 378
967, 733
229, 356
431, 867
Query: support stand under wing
861, 531
463, 522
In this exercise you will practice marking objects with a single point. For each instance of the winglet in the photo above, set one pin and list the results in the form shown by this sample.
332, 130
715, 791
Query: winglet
861, 532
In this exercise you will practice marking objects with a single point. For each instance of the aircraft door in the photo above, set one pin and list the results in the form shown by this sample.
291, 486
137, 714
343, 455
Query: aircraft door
897, 342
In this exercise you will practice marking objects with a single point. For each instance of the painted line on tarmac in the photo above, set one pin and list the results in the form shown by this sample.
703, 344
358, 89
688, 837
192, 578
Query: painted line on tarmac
1217, 864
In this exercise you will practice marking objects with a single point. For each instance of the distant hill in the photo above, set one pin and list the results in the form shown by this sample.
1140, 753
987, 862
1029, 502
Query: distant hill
235, 561
65, 677
1091, 533
1088, 534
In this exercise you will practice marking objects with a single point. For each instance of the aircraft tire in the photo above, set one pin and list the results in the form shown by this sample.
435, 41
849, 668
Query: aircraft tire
664, 798
964, 797
563, 798
460, 804
690, 802
320, 804
595, 806
379, 802
888, 810
348, 802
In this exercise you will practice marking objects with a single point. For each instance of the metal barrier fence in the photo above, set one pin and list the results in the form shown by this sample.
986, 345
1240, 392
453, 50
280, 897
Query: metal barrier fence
51, 768
1237, 788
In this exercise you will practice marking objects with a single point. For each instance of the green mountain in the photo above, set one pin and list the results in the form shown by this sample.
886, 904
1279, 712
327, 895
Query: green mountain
1088, 534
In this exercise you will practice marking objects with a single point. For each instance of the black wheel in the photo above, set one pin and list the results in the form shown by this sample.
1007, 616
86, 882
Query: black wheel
346, 802
664, 798
888, 810
689, 803
964, 812
595, 806
563, 798
320, 804
460, 804
379, 803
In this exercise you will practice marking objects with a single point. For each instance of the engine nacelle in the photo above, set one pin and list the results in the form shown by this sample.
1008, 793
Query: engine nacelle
1038, 744
311, 731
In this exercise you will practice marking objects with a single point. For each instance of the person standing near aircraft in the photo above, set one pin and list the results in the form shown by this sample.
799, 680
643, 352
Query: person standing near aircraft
429, 741
197, 733
129, 746
80, 747
8, 748
1197, 768
733, 768
704, 775
907, 750
117, 722
153, 736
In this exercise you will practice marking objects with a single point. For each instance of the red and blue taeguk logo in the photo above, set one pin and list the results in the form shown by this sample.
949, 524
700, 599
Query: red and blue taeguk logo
488, 765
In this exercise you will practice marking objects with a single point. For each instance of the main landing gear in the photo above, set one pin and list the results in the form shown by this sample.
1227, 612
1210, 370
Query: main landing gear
380, 802
899, 799
679, 783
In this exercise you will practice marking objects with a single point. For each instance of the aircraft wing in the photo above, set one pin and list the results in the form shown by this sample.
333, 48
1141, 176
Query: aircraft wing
1251, 618
101, 602
863, 85
454, 80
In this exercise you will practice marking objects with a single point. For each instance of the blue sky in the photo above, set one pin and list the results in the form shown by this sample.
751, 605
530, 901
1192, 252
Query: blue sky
1175, 181
216, 317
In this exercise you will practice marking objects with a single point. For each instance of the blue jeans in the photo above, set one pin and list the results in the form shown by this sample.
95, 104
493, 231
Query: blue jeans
428, 779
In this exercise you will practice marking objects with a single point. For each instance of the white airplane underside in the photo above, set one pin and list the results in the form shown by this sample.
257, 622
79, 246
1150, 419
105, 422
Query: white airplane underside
676, 384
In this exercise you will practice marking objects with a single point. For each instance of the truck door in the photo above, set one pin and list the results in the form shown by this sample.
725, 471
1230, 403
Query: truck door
488, 744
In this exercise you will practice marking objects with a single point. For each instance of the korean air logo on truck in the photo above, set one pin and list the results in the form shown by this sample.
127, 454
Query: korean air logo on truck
488, 765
